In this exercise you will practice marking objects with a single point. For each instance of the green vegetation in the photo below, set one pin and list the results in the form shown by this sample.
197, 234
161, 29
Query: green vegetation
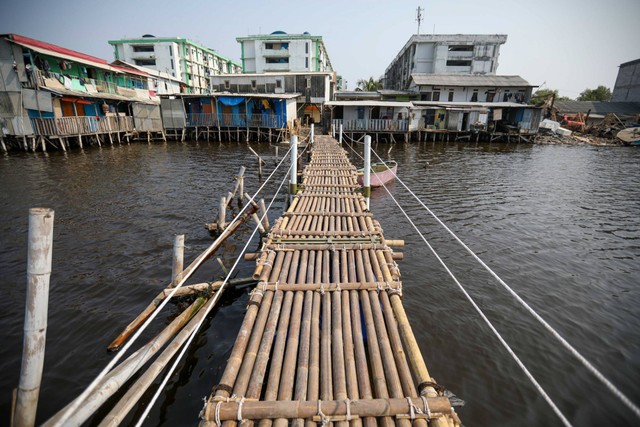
370, 85
601, 93
540, 96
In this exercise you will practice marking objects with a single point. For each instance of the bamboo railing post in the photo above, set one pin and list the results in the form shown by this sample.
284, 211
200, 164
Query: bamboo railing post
340, 136
178, 259
40, 248
293, 174
312, 134
366, 187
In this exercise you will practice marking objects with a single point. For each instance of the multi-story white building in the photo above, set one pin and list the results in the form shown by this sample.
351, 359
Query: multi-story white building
444, 54
282, 52
190, 62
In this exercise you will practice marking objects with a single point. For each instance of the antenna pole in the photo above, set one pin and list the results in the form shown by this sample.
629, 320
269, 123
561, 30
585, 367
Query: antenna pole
419, 17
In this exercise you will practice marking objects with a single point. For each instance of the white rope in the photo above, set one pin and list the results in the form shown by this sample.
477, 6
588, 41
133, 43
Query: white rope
239, 415
634, 408
426, 409
535, 383
217, 414
348, 403
216, 296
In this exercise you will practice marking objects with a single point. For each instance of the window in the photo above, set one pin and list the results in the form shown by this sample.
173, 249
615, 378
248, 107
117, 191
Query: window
170, 51
172, 64
276, 46
227, 84
306, 62
450, 96
144, 48
308, 82
145, 62
458, 63
474, 97
461, 48
254, 84
426, 96
436, 96
279, 84
306, 48
277, 60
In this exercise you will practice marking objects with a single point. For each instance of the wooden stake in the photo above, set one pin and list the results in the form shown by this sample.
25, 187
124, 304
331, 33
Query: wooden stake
40, 248
178, 258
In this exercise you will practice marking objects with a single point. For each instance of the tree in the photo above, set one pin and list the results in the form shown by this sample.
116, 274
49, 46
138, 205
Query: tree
540, 96
601, 93
370, 85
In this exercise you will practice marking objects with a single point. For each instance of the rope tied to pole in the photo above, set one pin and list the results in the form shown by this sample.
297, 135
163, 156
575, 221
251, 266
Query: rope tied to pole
239, 415
324, 421
217, 414
348, 403
413, 409
426, 409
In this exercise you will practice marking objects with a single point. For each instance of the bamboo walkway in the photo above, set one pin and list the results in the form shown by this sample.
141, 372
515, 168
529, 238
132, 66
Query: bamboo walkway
325, 338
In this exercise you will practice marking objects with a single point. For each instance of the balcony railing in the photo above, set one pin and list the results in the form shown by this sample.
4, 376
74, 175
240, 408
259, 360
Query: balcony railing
253, 120
202, 120
82, 125
376, 125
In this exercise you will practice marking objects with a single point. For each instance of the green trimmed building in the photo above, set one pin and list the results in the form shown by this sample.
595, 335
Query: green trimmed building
281, 52
190, 62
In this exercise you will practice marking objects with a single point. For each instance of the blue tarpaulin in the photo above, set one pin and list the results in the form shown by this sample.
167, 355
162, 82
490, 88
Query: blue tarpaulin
231, 100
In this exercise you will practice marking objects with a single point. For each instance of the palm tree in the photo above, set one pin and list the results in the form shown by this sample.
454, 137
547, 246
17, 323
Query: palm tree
370, 85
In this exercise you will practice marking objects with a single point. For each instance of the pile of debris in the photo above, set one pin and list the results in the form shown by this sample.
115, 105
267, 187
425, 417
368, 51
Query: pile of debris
575, 130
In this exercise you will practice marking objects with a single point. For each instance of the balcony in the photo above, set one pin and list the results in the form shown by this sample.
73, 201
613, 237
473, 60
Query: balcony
81, 125
374, 125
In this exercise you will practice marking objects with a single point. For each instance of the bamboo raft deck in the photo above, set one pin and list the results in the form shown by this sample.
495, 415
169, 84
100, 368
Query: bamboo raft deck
325, 338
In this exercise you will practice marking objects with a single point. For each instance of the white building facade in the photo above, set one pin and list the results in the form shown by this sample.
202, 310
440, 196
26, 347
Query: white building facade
281, 52
182, 58
475, 54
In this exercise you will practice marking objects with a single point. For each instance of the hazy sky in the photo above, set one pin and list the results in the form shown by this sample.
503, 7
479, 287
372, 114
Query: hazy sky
568, 45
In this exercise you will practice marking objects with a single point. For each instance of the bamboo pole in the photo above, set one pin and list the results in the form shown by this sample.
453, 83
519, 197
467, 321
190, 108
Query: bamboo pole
40, 248
275, 367
123, 372
222, 214
381, 407
263, 214
142, 317
178, 258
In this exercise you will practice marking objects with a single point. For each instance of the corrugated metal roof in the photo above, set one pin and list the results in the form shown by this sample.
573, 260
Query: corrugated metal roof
259, 95
598, 107
470, 104
98, 95
82, 60
365, 103
423, 79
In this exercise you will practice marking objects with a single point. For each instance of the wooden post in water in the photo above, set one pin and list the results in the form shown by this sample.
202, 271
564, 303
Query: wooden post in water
4, 147
222, 214
367, 169
293, 175
178, 259
35, 318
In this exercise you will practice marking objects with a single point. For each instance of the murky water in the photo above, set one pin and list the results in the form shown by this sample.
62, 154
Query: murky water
561, 225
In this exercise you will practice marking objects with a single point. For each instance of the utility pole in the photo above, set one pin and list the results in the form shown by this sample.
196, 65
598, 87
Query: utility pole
419, 17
